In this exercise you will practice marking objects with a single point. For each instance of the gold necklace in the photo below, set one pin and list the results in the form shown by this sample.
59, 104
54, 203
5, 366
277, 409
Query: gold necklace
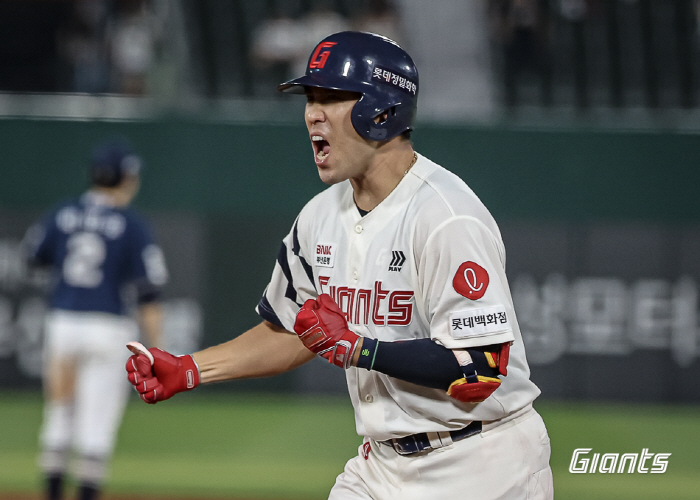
413, 162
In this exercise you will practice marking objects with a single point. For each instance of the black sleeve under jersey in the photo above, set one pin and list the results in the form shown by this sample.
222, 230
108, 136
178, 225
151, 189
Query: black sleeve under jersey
427, 363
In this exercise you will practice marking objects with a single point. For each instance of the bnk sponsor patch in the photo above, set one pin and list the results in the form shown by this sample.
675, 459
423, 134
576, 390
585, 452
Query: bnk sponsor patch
473, 322
325, 254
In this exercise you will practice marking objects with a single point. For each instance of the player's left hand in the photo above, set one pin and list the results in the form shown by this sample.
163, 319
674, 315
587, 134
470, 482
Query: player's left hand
323, 329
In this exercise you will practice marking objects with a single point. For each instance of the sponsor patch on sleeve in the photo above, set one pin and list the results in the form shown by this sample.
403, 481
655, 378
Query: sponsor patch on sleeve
471, 280
325, 254
475, 322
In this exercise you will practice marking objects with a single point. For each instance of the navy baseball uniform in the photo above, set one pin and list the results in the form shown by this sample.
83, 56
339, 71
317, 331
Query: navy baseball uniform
101, 253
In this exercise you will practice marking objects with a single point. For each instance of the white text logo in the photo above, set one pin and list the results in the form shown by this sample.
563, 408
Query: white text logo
582, 461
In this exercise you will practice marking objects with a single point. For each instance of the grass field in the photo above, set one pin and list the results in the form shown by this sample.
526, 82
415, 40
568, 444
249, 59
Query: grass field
218, 445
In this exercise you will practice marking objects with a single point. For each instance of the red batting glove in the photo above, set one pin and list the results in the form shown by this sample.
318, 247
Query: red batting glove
323, 329
166, 377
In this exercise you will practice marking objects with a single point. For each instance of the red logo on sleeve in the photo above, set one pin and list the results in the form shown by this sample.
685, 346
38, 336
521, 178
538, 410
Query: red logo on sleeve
471, 280
366, 448
318, 59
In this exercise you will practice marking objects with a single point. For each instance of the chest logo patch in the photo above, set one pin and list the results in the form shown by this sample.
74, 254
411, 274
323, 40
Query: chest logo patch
397, 260
471, 280
325, 255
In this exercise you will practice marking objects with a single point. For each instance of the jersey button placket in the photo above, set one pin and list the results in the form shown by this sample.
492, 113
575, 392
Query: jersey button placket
369, 398
356, 253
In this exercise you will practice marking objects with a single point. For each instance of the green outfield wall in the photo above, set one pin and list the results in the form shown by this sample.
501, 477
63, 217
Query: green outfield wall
267, 169
602, 231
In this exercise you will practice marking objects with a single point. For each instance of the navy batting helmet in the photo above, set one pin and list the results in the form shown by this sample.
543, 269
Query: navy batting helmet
111, 161
372, 65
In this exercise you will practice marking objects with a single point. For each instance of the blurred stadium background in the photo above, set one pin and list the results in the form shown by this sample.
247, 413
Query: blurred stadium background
576, 121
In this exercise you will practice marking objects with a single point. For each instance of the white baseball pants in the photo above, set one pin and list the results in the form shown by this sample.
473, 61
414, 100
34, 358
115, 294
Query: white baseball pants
509, 461
92, 345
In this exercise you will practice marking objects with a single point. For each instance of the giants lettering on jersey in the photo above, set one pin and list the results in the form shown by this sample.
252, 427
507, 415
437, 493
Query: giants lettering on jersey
379, 306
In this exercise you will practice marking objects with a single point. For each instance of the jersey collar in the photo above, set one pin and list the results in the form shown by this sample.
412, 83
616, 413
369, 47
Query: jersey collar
397, 199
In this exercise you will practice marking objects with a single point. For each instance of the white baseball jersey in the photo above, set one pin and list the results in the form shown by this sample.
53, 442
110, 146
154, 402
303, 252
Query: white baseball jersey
427, 262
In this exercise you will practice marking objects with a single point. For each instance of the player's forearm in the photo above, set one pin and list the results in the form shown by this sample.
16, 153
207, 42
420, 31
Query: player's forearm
262, 351
151, 323
420, 361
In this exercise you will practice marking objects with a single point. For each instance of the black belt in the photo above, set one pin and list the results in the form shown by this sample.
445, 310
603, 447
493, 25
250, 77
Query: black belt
416, 443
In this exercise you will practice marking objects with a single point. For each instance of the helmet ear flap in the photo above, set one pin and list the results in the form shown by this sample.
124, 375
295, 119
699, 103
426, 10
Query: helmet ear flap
360, 116
364, 119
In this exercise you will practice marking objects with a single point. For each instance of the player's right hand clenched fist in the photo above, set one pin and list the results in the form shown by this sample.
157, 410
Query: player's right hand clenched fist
322, 327
157, 375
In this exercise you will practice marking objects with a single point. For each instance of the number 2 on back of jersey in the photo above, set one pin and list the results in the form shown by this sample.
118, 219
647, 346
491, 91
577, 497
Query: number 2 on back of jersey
82, 266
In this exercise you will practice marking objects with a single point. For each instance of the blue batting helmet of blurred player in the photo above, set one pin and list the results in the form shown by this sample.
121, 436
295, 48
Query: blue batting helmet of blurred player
111, 160
375, 67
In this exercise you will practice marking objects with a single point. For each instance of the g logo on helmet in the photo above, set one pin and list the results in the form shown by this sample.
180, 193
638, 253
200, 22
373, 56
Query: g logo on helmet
318, 58
471, 280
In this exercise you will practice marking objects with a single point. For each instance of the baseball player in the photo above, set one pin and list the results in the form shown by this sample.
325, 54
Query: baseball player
96, 246
396, 274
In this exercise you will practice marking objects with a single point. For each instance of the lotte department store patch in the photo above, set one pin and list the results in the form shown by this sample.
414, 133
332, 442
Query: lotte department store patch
473, 322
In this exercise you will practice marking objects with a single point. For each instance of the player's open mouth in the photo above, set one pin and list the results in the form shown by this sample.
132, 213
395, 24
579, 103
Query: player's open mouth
321, 147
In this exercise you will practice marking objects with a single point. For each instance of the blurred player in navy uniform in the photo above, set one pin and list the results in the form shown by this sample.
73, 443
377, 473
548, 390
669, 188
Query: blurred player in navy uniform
98, 249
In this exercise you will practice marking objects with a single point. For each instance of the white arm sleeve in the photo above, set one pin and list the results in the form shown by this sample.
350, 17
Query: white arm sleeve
462, 274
